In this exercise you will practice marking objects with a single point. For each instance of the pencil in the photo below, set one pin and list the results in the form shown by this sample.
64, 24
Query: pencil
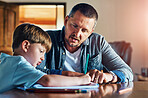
102, 71
86, 65
57, 90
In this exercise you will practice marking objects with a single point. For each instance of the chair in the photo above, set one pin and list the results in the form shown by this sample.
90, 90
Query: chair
123, 49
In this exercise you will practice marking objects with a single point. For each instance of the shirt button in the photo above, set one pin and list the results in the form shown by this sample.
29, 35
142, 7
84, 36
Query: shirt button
63, 53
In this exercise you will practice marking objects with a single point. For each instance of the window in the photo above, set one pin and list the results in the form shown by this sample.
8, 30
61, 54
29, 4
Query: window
45, 16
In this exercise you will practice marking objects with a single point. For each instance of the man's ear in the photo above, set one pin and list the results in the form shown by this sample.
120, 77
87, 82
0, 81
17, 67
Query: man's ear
66, 19
91, 31
25, 45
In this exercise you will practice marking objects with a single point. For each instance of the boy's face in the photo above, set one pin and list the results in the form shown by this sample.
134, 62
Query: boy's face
35, 54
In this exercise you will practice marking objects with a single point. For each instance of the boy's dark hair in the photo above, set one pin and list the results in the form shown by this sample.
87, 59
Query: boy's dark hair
85, 9
33, 34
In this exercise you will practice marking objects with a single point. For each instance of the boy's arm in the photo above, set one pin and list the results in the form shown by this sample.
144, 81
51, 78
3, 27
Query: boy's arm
60, 72
58, 80
70, 73
52, 71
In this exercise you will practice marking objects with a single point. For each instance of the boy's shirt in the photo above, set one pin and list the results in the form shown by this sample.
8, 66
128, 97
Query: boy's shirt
16, 71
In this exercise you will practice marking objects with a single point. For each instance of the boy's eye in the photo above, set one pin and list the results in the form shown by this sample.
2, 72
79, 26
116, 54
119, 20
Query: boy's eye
41, 51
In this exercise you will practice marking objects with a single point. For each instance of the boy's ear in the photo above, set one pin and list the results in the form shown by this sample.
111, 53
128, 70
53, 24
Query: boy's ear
25, 45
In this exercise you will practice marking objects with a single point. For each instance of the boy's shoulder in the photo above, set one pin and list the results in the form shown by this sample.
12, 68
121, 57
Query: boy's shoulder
11, 59
4, 55
14, 62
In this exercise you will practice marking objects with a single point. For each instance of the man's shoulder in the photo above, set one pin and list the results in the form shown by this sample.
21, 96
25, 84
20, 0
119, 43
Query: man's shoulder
53, 31
96, 35
54, 34
96, 38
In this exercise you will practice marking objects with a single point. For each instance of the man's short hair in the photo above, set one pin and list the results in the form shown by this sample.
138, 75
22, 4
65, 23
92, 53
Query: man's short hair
85, 9
33, 34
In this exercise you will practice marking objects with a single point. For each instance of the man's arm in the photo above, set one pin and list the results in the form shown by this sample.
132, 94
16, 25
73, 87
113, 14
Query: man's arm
107, 57
113, 62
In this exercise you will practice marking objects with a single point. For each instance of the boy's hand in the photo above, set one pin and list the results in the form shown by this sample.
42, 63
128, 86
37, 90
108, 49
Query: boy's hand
86, 79
70, 73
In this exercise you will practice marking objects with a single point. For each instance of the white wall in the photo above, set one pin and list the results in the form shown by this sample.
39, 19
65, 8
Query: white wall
120, 20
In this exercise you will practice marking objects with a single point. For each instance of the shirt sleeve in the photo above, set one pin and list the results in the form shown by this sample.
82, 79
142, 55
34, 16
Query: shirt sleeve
26, 75
114, 63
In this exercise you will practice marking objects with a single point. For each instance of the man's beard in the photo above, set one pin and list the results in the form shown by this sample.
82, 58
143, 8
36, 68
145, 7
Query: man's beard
70, 44
73, 37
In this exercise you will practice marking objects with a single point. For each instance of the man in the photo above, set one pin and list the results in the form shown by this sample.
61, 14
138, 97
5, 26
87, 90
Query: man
75, 43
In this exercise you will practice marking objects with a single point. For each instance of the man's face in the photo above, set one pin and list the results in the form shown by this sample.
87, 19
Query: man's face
77, 29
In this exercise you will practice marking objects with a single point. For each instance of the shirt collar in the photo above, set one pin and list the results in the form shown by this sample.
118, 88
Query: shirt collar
86, 42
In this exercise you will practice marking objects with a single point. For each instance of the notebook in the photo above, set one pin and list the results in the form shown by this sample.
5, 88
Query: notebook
66, 89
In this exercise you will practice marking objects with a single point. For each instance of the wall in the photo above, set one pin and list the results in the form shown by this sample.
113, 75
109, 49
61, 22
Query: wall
120, 20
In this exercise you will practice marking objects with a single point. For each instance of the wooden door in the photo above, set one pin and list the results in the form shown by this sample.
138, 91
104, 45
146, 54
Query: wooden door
9, 20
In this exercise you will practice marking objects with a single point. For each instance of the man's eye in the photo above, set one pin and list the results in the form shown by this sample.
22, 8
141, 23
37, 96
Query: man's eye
75, 26
84, 30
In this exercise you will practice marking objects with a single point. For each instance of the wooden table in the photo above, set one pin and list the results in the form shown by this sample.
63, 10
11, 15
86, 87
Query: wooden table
138, 89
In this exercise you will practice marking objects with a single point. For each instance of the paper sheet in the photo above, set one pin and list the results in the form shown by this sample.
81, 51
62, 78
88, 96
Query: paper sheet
89, 86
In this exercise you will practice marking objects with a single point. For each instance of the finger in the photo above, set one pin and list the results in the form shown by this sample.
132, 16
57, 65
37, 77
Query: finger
105, 81
92, 77
92, 74
96, 77
101, 78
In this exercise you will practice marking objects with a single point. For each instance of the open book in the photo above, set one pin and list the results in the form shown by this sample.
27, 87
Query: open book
64, 89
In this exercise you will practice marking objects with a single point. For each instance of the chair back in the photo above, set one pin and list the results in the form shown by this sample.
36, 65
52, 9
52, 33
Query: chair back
123, 49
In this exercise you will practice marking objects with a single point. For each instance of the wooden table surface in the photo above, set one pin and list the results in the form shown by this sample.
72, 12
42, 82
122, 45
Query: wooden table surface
137, 89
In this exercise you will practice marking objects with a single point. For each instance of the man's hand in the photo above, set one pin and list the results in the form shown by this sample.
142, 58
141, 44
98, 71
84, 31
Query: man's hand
70, 73
100, 77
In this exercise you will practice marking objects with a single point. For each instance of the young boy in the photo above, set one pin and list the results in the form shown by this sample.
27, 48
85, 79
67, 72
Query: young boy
29, 46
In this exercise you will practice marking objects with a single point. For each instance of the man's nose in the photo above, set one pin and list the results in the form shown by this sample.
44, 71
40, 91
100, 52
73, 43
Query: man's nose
78, 32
